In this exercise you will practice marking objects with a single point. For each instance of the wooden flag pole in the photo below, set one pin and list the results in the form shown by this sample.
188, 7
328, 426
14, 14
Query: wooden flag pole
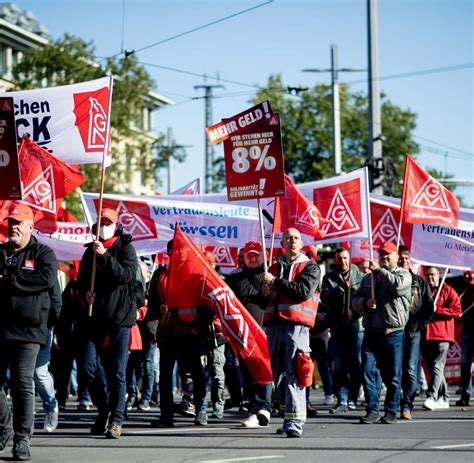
262, 235
101, 192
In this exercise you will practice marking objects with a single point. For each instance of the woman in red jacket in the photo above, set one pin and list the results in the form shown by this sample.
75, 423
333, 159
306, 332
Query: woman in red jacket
439, 335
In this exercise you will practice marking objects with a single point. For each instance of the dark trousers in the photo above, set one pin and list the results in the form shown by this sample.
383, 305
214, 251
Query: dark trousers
258, 395
411, 360
21, 358
107, 394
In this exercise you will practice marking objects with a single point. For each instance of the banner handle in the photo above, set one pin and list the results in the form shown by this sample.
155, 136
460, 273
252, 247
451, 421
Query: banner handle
440, 288
262, 235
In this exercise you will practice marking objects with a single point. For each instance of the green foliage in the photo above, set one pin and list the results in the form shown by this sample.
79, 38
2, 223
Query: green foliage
307, 132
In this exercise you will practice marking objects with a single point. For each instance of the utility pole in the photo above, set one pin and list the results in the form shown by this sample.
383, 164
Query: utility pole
375, 121
336, 113
170, 159
209, 148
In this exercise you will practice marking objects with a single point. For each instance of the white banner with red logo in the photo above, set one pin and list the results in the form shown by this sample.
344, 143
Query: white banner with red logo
69, 121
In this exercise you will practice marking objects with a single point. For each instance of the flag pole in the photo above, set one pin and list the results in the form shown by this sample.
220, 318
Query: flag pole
440, 288
262, 235
371, 242
101, 192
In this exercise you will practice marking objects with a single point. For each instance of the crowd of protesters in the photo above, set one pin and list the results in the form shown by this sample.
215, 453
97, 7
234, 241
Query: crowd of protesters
368, 327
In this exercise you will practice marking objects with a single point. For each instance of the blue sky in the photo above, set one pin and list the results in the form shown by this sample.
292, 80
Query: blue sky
285, 37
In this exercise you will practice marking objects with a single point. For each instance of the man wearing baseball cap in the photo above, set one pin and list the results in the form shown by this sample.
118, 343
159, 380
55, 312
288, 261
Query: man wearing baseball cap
385, 311
246, 283
114, 309
27, 272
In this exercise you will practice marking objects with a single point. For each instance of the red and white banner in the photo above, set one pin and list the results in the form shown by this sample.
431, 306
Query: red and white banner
191, 188
425, 200
343, 201
253, 158
69, 121
239, 123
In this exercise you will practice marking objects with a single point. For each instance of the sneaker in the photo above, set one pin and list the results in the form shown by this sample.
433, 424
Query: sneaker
201, 419
370, 418
5, 437
218, 412
251, 422
21, 451
244, 406
263, 417
280, 431
293, 433
311, 411
351, 405
442, 403
144, 405
405, 415
161, 423
114, 431
51, 420
429, 403
100, 426
228, 404
187, 409
328, 400
339, 409
129, 404
83, 406
389, 418
462, 403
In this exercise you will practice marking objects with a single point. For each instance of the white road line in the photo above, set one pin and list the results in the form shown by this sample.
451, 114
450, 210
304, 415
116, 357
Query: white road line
265, 457
415, 421
455, 446
175, 430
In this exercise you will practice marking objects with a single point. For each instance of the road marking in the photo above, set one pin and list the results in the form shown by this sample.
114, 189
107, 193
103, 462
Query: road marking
176, 429
443, 447
265, 457
415, 421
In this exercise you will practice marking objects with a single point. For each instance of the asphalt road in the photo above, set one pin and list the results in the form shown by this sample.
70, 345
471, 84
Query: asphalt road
438, 436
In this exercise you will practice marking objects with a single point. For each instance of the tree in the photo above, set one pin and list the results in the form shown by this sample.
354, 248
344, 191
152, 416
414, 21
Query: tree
307, 132
69, 60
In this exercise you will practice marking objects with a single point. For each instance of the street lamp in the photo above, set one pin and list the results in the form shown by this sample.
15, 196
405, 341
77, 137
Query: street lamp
336, 125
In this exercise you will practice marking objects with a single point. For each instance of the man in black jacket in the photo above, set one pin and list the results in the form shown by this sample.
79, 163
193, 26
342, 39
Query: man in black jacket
108, 328
27, 272
421, 312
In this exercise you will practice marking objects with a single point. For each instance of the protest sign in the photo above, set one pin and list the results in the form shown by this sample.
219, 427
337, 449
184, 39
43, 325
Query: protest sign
254, 162
10, 186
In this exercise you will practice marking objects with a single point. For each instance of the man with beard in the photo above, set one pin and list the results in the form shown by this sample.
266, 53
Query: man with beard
385, 314
27, 272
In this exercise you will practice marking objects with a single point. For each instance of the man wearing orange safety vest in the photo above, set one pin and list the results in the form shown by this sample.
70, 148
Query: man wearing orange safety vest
292, 286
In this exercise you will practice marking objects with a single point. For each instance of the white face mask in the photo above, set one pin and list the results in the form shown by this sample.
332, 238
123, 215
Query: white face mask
107, 231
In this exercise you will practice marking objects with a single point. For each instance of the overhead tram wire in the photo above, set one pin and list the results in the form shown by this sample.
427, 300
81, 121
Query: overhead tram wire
182, 34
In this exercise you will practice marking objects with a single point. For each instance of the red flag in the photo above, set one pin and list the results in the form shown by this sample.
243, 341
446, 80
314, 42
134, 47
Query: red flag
295, 210
425, 200
190, 269
46, 181
65, 216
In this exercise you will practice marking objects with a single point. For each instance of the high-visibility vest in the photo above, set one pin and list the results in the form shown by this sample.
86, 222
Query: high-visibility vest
187, 315
280, 305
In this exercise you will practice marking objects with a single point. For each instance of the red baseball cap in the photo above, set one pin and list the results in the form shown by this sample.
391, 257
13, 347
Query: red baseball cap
109, 213
253, 246
388, 247
20, 212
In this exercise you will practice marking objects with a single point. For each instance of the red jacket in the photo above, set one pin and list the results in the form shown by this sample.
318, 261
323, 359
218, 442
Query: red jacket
448, 307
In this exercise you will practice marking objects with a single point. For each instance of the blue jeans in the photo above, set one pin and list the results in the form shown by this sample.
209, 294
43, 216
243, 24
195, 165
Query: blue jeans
258, 395
384, 351
44, 382
346, 364
411, 358
467, 350
107, 393
21, 359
